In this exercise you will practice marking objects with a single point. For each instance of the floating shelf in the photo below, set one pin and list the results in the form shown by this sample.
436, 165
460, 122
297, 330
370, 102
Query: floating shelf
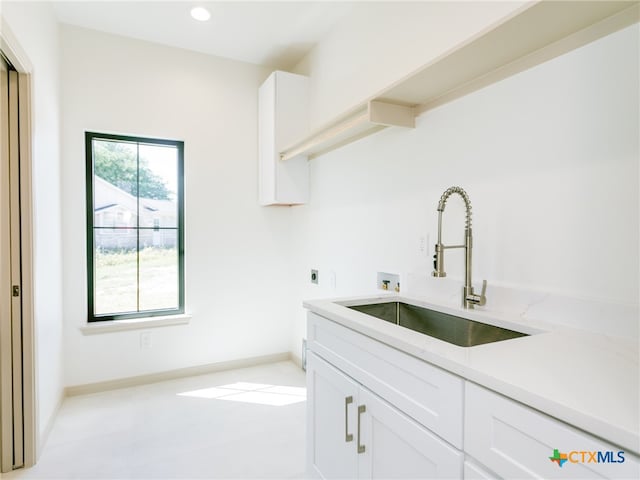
365, 121
533, 35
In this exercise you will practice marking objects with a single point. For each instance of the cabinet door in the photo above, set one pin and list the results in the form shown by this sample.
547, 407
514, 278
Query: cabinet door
331, 421
516, 441
396, 446
282, 119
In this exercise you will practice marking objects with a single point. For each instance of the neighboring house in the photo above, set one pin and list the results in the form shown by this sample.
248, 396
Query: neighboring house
118, 223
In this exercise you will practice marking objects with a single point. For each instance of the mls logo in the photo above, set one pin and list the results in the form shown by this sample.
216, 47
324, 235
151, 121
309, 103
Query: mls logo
559, 458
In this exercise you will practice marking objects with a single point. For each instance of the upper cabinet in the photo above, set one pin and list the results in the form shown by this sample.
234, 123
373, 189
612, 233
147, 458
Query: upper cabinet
282, 118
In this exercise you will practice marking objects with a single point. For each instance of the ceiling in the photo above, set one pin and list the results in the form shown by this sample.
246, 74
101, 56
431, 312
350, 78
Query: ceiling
274, 34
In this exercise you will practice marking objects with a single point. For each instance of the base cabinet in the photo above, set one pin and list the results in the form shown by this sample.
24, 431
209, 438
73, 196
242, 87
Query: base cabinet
375, 412
516, 441
353, 433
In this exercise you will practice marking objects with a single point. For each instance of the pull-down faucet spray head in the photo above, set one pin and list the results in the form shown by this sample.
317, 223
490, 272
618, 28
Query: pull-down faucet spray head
438, 261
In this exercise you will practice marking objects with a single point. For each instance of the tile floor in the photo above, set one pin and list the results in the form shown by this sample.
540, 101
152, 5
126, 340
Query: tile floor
246, 423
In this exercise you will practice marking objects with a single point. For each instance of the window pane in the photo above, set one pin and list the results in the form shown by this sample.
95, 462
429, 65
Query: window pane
159, 272
115, 190
109, 239
115, 281
158, 186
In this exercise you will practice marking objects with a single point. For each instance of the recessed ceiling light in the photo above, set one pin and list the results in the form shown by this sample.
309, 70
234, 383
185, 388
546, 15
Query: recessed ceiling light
200, 13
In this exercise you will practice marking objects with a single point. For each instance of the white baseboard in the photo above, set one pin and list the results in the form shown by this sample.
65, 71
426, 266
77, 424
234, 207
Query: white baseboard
179, 373
295, 359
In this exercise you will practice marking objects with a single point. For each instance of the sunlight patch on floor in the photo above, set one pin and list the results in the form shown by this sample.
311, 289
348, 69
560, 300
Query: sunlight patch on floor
259, 393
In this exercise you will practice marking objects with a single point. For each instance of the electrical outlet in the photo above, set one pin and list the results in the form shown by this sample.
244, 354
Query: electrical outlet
314, 276
146, 341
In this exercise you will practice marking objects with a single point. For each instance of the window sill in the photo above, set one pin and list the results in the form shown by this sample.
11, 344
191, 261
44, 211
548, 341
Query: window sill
134, 324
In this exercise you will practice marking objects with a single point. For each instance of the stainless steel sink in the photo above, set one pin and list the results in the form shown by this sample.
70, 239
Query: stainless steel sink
452, 329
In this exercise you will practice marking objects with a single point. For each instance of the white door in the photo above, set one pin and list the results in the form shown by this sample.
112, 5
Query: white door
11, 373
331, 421
396, 446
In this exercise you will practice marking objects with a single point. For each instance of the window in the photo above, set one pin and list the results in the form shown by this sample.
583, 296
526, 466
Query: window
135, 220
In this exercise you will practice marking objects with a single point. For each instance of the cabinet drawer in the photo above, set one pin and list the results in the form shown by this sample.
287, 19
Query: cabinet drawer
516, 441
426, 393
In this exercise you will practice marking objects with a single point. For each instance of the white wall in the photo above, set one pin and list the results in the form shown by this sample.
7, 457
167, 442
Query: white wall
383, 42
35, 28
549, 158
237, 267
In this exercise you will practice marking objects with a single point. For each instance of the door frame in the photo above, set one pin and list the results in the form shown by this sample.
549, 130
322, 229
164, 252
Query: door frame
12, 50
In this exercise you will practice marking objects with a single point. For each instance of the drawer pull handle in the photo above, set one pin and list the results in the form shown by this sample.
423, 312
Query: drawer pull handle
361, 410
348, 437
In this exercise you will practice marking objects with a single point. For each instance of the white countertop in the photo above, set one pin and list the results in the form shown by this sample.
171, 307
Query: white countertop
588, 380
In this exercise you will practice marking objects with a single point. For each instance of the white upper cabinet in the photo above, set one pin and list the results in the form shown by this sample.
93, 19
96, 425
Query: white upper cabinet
283, 101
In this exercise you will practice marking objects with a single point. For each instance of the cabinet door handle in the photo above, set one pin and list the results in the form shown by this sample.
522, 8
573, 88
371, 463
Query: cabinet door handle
348, 437
361, 410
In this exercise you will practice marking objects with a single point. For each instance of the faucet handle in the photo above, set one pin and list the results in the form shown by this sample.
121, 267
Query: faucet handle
475, 299
483, 297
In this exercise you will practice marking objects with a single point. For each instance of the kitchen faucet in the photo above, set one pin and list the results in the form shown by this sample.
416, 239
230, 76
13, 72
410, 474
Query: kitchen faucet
469, 299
